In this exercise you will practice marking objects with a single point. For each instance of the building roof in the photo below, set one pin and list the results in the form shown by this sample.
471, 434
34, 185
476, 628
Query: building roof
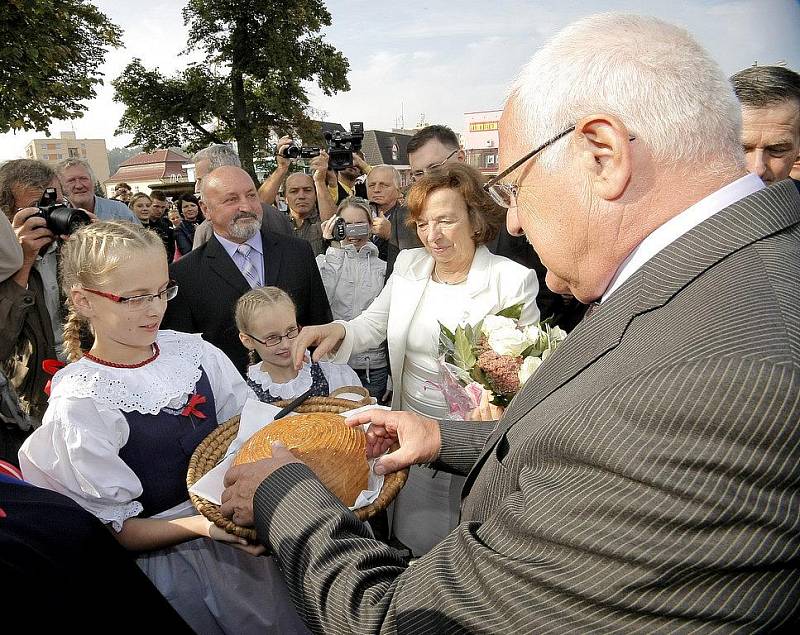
151, 166
157, 156
381, 147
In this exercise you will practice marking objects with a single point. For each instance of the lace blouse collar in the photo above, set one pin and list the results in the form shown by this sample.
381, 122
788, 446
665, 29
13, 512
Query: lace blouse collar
171, 377
290, 389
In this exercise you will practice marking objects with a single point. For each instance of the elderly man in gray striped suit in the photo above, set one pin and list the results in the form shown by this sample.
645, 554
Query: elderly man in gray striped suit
646, 478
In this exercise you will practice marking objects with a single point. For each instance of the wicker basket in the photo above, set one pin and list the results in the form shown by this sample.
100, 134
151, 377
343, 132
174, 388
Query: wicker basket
212, 449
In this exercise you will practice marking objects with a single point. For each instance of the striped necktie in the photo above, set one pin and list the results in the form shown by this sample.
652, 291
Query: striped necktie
247, 268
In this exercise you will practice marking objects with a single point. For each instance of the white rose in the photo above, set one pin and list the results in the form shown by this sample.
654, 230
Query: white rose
529, 366
532, 333
557, 334
492, 323
508, 341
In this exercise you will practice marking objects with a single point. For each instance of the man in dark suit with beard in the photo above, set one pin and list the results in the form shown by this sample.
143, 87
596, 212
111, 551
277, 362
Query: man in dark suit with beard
238, 257
646, 478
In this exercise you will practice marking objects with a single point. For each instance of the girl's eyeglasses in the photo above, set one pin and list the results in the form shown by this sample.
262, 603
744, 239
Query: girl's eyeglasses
137, 302
274, 340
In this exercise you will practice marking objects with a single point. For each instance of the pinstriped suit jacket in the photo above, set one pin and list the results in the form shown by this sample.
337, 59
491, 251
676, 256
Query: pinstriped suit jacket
645, 480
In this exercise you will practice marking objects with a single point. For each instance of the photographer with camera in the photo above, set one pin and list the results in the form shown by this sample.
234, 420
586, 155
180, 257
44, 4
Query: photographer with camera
353, 276
307, 196
31, 324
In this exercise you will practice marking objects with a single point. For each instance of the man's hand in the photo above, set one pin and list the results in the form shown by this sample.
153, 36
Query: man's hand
282, 161
419, 438
320, 166
382, 226
325, 337
242, 481
361, 164
32, 232
486, 411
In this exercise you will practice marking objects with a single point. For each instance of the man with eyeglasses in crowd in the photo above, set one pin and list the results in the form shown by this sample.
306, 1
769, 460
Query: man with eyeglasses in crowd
435, 145
646, 478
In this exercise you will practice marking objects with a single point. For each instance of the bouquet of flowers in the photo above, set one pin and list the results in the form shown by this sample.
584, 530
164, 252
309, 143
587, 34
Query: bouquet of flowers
497, 354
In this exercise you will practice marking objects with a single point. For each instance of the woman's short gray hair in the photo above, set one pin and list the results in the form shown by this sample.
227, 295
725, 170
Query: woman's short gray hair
650, 74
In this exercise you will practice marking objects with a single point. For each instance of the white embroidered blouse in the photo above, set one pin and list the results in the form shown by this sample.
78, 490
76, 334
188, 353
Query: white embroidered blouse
76, 450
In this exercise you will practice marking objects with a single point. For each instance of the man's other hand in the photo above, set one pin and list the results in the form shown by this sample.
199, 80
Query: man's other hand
419, 438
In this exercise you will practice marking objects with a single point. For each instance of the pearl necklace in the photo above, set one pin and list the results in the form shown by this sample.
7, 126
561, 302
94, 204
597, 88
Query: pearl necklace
97, 360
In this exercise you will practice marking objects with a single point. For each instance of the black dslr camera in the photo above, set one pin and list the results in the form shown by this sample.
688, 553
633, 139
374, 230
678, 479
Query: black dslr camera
341, 147
299, 152
342, 230
61, 219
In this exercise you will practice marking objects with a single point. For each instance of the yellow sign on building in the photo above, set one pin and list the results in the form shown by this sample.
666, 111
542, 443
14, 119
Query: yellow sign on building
483, 126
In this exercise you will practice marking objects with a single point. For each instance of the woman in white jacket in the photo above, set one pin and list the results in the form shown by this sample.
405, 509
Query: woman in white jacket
353, 276
452, 280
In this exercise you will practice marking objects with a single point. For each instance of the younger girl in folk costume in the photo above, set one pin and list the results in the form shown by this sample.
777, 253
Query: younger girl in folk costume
123, 420
268, 327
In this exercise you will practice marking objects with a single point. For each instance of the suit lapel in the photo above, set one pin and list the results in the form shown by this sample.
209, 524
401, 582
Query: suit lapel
753, 218
220, 262
273, 257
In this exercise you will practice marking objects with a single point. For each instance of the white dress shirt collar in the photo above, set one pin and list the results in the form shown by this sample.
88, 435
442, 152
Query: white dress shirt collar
230, 246
677, 226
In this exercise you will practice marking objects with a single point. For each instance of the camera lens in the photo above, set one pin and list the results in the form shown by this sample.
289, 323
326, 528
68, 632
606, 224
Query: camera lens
290, 152
63, 220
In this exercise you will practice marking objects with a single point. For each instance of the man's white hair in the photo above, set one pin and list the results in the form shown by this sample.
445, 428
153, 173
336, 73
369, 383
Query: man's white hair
398, 181
71, 162
217, 155
652, 75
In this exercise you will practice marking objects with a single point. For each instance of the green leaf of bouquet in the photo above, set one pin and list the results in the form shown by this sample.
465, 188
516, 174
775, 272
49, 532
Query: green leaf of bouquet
443, 330
463, 356
514, 312
533, 349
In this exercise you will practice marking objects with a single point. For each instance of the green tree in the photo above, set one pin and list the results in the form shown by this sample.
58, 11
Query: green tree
50, 51
262, 52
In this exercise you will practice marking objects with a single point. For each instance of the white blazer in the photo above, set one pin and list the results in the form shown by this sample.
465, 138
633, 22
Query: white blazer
493, 283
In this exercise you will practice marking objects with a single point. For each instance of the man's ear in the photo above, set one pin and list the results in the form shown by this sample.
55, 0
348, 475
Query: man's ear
605, 154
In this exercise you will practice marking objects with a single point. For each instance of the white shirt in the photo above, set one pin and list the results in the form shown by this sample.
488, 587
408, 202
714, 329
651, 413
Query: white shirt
677, 226
256, 261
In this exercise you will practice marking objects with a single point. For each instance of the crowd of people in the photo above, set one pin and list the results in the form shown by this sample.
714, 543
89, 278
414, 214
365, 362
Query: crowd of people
644, 479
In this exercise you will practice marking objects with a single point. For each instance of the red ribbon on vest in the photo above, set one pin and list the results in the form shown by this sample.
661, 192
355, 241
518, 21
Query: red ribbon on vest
191, 407
51, 367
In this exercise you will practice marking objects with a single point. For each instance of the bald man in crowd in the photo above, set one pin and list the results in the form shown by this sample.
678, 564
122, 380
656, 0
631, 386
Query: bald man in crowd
206, 161
239, 256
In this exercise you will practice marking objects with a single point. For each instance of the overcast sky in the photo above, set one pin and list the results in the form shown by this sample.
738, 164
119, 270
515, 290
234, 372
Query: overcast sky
434, 60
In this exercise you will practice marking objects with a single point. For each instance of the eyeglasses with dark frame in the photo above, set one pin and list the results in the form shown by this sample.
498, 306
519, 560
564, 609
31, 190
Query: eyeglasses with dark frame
137, 302
274, 340
420, 173
504, 194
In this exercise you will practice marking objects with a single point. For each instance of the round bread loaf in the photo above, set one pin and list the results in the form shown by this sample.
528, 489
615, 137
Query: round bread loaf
333, 450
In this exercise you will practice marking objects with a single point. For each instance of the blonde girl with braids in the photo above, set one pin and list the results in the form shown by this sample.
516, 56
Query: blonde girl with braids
267, 322
123, 420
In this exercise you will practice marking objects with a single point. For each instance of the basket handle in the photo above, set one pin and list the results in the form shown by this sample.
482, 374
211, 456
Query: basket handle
365, 400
